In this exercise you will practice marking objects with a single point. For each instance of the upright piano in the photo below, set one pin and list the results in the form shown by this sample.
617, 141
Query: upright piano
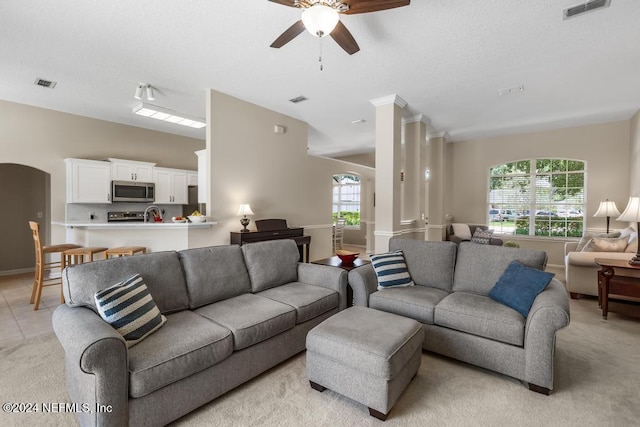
273, 229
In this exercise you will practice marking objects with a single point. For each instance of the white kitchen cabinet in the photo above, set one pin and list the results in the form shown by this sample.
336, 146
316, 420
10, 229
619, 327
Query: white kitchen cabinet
171, 186
192, 178
88, 181
130, 170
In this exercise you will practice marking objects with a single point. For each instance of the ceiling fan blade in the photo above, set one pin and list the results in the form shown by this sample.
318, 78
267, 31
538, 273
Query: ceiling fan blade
365, 6
343, 37
291, 33
284, 2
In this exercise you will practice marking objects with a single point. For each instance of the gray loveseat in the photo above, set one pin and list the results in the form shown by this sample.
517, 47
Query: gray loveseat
460, 320
232, 313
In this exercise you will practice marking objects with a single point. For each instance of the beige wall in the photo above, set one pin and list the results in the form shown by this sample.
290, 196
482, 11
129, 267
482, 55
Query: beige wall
634, 175
43, 138
272, 172
364, 159
604, 147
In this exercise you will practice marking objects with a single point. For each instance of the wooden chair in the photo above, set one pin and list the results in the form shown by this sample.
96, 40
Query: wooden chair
42, 266
125, 251
338, 233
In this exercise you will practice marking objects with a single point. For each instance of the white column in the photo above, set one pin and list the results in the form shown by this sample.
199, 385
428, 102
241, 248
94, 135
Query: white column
436, 229
388, 165
415, 131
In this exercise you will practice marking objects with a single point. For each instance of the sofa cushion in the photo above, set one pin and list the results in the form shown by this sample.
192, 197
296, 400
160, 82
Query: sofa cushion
519, 285
271, 263
478, 267
606, 244
214, 273
586, 237
480, 315
250, 318
587, 259
309, 301
187, 344
429, 263
415, 302
482, 237
632, 245
129, 308
461, 230
391, 270
162, 274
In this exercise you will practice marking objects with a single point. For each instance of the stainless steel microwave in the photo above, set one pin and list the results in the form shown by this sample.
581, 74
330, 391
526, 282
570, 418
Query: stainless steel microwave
132, 191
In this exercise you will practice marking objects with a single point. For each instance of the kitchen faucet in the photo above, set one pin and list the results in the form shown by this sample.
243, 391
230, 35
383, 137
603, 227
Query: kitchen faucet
150, 209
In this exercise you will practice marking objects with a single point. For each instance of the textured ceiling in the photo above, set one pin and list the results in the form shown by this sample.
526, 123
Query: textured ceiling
446, 58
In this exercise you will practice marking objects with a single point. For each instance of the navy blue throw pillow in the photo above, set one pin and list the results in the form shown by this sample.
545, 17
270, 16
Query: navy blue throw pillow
519, 285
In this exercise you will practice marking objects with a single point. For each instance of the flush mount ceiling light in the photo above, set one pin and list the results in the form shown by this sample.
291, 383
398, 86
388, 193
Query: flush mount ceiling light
146, 87
164, 114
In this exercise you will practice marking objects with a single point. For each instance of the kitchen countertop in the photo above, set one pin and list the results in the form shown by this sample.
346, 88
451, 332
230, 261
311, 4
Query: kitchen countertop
133, 224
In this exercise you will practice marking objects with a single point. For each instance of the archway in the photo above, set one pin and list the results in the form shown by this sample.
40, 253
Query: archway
25, 193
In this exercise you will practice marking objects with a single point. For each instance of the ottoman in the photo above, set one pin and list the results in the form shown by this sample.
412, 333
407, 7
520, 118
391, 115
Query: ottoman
367, 355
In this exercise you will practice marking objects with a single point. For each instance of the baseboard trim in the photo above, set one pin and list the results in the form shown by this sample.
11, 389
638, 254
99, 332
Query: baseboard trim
16, 271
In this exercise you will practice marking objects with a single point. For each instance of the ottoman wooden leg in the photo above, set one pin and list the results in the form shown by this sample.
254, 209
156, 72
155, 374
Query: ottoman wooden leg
317, 387
377, 414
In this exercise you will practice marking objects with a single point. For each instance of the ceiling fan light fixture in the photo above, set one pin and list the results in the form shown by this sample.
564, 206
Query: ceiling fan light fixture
320, 20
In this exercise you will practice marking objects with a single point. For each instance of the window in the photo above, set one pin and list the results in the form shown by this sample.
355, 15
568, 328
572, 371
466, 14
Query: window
346, 199
542, 197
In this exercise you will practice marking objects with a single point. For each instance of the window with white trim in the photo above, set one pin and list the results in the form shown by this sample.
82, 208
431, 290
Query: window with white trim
538, 197
346, 199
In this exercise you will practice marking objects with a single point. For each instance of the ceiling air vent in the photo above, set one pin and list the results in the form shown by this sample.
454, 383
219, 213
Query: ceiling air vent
45, 83
584, 8
298, 99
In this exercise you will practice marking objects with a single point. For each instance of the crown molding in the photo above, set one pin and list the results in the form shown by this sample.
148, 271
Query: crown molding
433, 135
390, 99
417, 118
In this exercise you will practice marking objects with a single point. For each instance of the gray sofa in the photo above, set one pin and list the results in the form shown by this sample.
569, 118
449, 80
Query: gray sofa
472, 227
232, 313
460, 320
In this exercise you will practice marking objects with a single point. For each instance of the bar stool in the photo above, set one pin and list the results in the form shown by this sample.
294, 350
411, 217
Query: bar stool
125, 251
76, 255
39, 281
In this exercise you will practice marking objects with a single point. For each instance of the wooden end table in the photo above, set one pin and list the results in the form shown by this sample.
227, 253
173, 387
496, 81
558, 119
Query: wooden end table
334, 261
610, 283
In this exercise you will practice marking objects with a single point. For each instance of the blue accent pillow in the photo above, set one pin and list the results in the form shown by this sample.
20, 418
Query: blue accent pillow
391, 270
519, 285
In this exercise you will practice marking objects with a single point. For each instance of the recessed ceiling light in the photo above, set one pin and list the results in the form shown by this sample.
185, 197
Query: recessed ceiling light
45, 83
510, 90
298, 99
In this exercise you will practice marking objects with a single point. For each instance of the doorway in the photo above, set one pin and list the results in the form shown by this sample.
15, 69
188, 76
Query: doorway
25, 195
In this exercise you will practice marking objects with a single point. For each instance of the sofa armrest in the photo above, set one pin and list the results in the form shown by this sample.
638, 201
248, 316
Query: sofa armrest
364, 282
325, 276
96, 365
570, 247
496, 241
549, 313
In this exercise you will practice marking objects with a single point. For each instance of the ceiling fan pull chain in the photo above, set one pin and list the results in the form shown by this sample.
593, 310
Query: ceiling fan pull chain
320, 57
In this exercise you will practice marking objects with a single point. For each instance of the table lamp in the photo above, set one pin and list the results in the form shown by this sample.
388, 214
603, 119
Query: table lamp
607, 209
245, 210
632, 214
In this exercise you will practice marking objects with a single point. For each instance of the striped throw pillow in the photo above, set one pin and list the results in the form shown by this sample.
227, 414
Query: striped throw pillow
391, 270
129, 308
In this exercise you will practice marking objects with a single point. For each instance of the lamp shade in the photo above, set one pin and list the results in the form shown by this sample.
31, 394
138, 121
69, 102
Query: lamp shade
607, 208
632, 211
320, 20
245, 209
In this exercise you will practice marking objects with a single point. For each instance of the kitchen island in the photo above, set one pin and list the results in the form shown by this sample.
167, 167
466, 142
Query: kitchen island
155, 236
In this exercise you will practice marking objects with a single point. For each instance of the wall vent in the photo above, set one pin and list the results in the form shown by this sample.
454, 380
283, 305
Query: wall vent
298, 99
45, 83
584, 8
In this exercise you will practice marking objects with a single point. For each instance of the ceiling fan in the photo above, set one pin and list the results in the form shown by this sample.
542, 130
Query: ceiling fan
320, 18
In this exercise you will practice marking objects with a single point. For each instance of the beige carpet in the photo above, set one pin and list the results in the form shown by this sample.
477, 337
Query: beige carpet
597, 384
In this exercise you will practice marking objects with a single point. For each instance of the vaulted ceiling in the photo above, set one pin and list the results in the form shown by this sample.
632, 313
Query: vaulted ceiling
447, 58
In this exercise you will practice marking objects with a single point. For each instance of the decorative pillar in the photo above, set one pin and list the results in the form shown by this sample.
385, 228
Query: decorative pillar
415, 135
388, 166
436, 229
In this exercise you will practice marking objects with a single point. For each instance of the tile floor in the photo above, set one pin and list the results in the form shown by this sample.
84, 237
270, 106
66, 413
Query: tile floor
18, 321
